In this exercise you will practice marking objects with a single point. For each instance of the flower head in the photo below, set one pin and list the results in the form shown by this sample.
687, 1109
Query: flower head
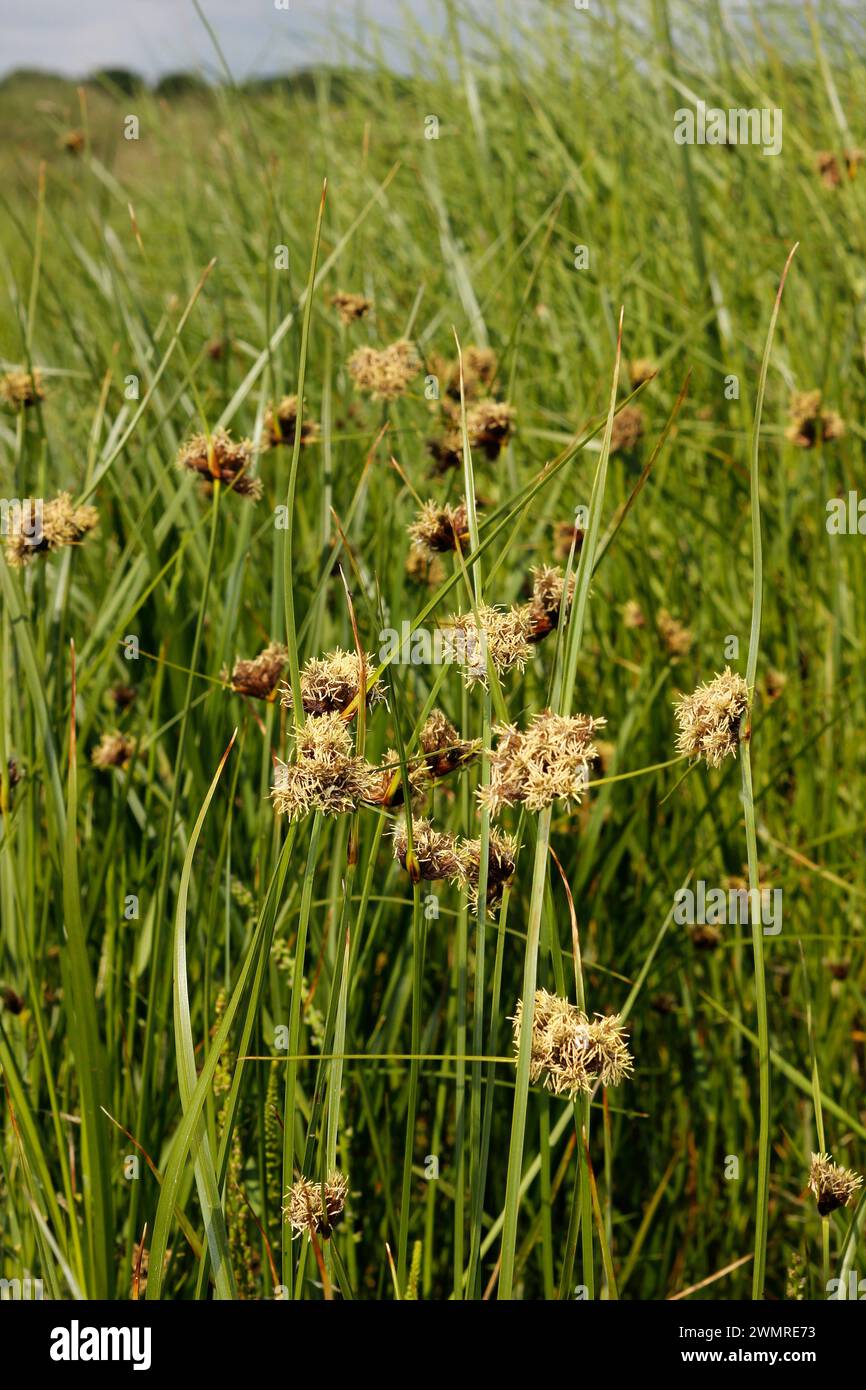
350, 306
327, 775
709, 719
316, 1207
443, 747
489, 426
810, 423
828, 166
479, 370
832, 1186
54, 524
501, 863
22, 389
281, 422
549, 761
640, 370
435, 852
221, 457
571, 1051
331, 682
113, 750
503, 635
676, 638
438, 529
259, 678
384, 374
627, 429
548, 588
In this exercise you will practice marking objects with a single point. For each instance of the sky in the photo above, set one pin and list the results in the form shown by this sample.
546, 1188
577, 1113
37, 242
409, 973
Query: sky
75, 37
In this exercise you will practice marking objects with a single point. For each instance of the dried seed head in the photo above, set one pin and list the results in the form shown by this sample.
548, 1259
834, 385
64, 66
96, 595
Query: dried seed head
113, 750
331, 682
676, 638
384, 374
705, 937
809, 423
123, 695
316, 1207
54, 524
627, 430
326, 775
504, 637
548, 587
259, 678
709, 719
489, 425
436, 853
282, 421
438, 529
640, 370
774, 683
445, 750
547, 762
571, 1051
221, 457
832, 1186
350, 306
21, 389
501, 862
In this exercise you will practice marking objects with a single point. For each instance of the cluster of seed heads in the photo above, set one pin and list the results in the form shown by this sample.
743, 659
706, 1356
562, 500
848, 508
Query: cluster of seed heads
546, 762
570, 1051
316, 1207
60, 523
384, 374
709, 719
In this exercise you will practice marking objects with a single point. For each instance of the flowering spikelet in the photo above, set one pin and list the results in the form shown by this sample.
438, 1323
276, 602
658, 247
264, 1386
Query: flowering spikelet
443, 747
330, 683
709, 719
21, 389
809, 423
386, 373
571, 1051
281, 422
548, 587
676, 638
436, 852
56, 524
479, 370
438, 529
831, 1185
640, 370
350, 306
221, 457
113, 750
326, 776
489, 425
501, 862
504, 637
316, 1207
627, 429
549, 761
259, 678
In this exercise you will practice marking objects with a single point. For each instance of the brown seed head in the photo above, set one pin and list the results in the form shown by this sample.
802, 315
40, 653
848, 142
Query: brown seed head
54, 524
350, 306
501, 862
259, 678
331, 682
326, 775
439, 529
21, 389
810, 423
224, 458
627, 429
113, 750
548, 587
281, 422
503, 635
436, 852
831, 1186
676, 637
640, 370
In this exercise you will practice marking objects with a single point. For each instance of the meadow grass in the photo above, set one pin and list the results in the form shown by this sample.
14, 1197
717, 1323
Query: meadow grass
202, 1002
